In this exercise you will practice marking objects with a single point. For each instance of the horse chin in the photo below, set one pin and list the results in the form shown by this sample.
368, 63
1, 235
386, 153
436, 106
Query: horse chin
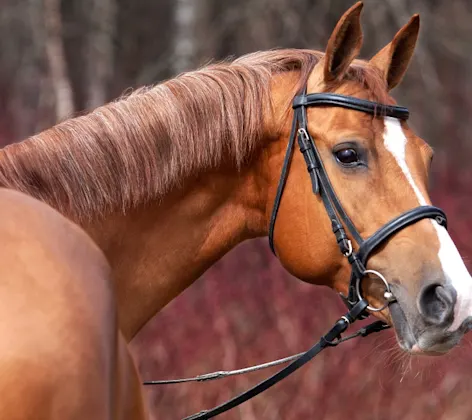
426, 343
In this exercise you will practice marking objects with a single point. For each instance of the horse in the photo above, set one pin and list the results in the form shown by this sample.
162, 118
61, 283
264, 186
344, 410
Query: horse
169, 178
60, 343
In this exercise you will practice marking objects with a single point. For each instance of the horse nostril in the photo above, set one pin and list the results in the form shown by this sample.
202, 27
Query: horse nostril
436, 303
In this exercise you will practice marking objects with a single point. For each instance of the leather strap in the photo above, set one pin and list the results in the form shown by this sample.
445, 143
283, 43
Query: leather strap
331, 339
327, 189
400, 222
282, 182
385, 233
362, 105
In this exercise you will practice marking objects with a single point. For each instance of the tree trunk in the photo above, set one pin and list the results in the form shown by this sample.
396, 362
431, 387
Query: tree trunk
184, 46
56, 59
100, 56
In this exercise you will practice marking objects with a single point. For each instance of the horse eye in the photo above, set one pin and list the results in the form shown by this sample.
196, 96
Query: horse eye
347, 156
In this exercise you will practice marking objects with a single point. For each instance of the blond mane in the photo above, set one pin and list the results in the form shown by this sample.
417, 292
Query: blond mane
137, 148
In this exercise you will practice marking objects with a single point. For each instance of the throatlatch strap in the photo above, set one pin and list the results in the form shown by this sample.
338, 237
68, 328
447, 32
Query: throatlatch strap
282, 182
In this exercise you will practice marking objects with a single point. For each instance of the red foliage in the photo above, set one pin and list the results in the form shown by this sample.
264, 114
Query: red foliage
248, 310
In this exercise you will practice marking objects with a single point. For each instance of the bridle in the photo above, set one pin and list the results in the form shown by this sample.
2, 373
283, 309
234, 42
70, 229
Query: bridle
322, 186
356, 303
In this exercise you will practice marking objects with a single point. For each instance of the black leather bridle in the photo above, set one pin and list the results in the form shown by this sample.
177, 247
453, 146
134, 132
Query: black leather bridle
356, 303
322, 186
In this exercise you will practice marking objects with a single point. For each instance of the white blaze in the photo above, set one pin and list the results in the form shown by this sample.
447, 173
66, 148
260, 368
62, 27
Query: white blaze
453, 267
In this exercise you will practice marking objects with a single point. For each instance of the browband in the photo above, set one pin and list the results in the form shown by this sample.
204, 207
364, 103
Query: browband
363, 105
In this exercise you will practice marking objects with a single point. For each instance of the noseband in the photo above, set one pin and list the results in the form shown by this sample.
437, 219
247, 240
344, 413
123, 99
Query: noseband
322, 186
356, 303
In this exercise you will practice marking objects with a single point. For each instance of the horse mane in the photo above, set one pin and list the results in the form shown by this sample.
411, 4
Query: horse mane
140, 146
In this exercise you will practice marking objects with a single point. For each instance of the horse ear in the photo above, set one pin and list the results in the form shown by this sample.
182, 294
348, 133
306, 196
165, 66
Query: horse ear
344, 44
394, 58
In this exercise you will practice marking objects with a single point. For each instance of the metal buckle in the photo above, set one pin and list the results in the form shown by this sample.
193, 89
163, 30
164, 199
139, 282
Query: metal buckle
348, 253
388, 295
302, 132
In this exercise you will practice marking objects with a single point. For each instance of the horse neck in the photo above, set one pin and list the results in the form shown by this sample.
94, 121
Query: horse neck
159, 247
158, 250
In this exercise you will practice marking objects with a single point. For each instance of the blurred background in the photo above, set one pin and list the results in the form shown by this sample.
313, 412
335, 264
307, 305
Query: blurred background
60, 58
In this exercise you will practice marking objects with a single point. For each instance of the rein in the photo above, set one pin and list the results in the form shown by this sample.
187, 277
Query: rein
220, 374
357, 305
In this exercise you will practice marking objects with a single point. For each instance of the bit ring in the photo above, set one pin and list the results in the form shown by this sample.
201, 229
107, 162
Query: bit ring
388, 295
